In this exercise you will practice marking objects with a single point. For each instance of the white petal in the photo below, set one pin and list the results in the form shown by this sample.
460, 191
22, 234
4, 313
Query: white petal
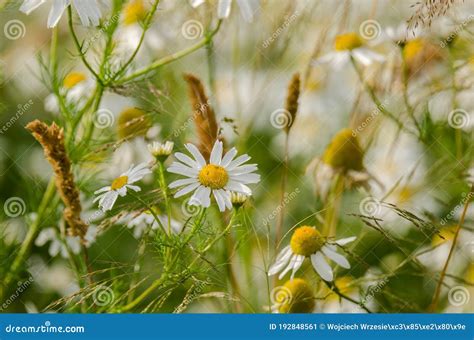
223, 8
321, 266
133, 187
196, 154
344, 241
337, 258
182, 170
238, 161
290, 266
187, 160
54, 248
44, 236
248, 8
229, 156
243, 169
219, 200
88, 11
186, 189
29, 6
108, 200
238, 187
56, 12
246, 178
298, 262
181, 182
201, 197
281, 261
227, 198
196, 3
216, 153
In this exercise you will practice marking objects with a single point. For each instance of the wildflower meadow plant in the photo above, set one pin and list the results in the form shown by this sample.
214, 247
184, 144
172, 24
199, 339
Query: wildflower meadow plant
170, 159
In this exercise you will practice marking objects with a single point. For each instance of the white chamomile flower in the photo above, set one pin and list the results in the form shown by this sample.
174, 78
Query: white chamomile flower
219, 177
308, 242
57, 246
146, 219
248, 8
109, 194
161, 150
347, 45
75, 89
88, 11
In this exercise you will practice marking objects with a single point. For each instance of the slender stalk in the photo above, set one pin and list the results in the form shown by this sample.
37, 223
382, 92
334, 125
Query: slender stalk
374, 97
170, 58
229, 244
284, 179
434, 302
332, 212
79, 47
30, 237
146, 26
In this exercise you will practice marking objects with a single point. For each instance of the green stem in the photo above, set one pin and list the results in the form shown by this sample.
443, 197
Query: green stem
374, 97
79, 47
170, 58
146, 26
30, 237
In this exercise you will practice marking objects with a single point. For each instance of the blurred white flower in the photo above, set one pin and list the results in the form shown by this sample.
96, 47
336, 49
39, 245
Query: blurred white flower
109, 194
88, 11
219, 176
248, 8
141, 222
346, 46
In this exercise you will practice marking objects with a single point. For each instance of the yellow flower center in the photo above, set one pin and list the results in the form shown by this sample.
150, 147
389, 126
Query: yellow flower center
306, 241
213, 176
413, 49
73, 78
347, 42
119, 182
132, 122
296, 296
344, 152
133, 12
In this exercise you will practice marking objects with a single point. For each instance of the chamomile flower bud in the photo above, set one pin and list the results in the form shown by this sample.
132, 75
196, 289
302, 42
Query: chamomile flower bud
344, 152
132, 122
161, 151
238, 199
298, 297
